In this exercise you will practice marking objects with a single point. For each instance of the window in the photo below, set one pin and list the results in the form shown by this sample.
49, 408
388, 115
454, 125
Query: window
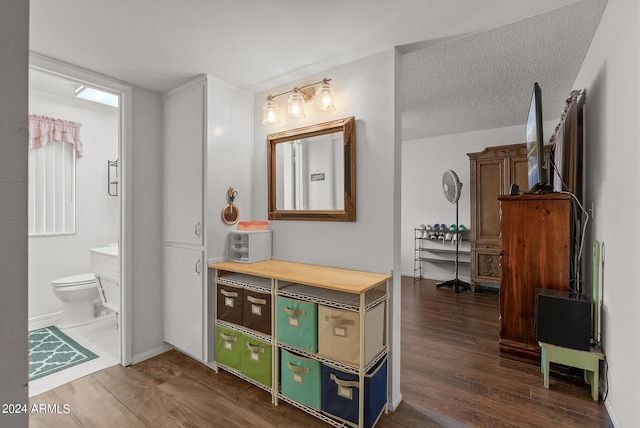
53, 147
52, 171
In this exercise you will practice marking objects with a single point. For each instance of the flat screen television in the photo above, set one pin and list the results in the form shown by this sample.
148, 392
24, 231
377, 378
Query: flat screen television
538, 177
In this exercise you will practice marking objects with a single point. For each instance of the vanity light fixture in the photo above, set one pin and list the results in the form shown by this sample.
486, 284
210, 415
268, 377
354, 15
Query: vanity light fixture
299, 96
270, 112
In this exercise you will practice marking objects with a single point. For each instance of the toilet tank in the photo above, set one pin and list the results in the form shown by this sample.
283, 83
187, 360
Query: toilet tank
104, 262
105, 266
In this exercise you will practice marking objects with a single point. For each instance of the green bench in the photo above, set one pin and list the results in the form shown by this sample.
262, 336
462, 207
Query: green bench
589, 361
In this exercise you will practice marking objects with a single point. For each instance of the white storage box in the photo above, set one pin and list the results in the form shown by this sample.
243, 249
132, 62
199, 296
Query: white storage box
249, 246
339, 334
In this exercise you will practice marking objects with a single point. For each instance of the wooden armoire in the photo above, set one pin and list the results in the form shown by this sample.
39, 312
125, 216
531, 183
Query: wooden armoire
493, 170
535, 254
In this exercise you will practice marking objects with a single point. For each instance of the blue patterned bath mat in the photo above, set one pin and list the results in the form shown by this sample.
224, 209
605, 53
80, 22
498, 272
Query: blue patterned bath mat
50, 351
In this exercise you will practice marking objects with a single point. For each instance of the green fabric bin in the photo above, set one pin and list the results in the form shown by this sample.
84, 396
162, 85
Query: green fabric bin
256, 360
297, 324
229, 346
301, 379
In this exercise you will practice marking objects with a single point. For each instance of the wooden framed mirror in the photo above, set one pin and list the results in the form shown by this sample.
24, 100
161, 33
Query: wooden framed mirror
312, 172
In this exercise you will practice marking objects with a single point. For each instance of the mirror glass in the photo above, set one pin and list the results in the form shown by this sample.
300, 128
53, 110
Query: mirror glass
312, 172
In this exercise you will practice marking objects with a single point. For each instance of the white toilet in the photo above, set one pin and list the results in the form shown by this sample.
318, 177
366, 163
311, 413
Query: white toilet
77, 294
105, 265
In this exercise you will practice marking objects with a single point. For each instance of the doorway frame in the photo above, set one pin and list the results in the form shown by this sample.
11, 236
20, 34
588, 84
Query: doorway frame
124, 91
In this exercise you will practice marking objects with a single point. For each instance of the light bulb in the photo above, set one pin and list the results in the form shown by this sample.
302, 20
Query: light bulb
324, 97
270, 112
296, 105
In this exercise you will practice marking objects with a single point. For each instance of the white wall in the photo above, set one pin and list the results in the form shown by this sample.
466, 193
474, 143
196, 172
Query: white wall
423, 163
610, 75
228, 162
146, 224
366, 89
14, 33
97, 213
365, 244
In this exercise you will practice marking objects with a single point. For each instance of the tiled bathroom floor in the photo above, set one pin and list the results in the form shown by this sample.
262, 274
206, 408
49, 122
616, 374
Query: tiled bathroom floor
101, 337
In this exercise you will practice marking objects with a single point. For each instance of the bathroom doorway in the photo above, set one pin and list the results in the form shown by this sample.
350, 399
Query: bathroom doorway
77, 221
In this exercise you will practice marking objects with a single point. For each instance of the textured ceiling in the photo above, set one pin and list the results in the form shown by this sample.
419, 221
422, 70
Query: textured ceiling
458, 53
485, 80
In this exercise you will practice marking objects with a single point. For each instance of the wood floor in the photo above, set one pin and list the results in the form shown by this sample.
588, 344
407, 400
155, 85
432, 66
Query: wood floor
451, 366
452, 376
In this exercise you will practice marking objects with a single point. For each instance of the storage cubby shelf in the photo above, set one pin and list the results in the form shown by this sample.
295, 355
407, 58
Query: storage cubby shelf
317, 413
321, 415
247, 331
247, 281
332, 298
242, 376
351, 368
318, 288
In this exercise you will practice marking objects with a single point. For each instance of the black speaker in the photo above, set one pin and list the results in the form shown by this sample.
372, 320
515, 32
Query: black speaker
563, 318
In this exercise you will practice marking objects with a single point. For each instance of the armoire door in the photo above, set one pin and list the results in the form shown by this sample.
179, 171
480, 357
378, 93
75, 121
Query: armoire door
519, 172
184, 299
489, 185
518, 169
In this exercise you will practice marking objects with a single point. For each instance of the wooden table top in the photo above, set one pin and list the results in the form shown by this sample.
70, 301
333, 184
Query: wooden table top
346, 280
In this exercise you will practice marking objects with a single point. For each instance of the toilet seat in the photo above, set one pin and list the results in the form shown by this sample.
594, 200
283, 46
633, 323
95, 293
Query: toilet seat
75, 280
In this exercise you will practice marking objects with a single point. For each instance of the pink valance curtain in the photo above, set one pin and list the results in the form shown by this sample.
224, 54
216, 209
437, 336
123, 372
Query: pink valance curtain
44, 130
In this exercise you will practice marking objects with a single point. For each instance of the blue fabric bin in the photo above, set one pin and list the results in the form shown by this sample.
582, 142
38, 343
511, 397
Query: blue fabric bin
341, 395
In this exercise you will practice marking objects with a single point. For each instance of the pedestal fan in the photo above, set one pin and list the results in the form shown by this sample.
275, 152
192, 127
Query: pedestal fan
452, 187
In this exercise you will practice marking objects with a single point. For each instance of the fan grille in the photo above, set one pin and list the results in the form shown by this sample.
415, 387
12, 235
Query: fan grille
451, 186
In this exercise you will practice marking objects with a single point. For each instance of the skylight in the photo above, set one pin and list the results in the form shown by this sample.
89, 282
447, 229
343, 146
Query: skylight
96, 95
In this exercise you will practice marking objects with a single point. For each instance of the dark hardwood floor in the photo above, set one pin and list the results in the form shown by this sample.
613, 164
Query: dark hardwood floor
452, 376
451, 366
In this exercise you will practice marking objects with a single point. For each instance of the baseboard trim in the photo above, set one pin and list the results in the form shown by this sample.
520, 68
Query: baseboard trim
440, 276
612, 416
138, 358
42, 321
394, 405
